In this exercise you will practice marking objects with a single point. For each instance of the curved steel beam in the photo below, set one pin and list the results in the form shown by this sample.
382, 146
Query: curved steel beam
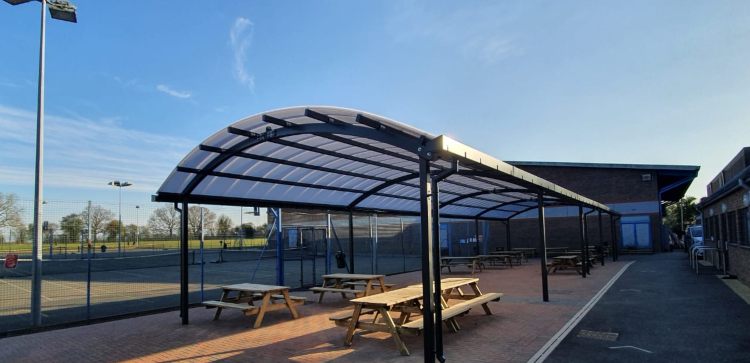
380, 187
291, 129
481, 192
490, 209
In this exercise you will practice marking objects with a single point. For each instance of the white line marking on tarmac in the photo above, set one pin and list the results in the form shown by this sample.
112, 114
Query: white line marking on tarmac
556, 339
631, 347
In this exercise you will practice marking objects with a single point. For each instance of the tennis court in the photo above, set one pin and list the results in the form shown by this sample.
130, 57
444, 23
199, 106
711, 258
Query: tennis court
146, 281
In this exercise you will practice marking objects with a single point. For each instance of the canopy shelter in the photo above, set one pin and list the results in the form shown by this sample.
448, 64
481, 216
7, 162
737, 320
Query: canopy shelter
340, 159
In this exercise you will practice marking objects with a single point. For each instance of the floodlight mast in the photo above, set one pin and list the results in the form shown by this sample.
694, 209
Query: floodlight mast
119, 184
61, 10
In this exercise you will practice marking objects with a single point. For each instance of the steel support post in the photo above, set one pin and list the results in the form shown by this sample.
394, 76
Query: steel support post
601, 238
184, 238
616, 246
435, 201
508, 245
476, 229
202, 240
425, 227
329, 243
543, 247
612, 236
586, 243
351, 242
581, 226
279, 249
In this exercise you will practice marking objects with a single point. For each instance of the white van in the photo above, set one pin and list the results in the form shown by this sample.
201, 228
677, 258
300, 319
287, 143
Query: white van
694, 235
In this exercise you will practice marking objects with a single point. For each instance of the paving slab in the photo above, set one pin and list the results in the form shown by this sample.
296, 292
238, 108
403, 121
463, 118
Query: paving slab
520, 325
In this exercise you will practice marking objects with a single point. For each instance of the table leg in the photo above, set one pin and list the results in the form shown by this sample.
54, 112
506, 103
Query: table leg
368, 287
289, 304
474, 286
353, 324
394, 331
451, 323
223, 297
263, 308
382, 284
325, 284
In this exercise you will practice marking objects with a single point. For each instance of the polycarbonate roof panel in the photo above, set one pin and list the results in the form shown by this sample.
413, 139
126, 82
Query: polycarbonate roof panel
337, 158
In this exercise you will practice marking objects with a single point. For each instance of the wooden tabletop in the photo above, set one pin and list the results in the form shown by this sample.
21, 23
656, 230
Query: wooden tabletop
254, 287
460, 258
567, 257
352, 276
449, 283
390, 298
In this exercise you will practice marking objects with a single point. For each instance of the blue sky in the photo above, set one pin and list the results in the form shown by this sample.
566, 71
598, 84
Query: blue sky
135, 85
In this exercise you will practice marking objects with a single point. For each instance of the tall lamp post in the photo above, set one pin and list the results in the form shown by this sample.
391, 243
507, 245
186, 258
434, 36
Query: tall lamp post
61, 10
119, 184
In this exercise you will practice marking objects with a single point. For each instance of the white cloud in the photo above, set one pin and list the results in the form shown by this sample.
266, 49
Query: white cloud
172, 92
479, 32
85, 153
240, 39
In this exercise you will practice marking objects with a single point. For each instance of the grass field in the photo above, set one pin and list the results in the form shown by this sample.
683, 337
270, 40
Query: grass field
73, 247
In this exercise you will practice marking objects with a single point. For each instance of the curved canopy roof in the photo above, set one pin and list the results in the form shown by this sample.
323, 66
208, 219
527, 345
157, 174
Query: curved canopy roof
343, 159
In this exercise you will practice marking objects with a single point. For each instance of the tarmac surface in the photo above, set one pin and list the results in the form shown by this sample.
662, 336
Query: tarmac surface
662, 311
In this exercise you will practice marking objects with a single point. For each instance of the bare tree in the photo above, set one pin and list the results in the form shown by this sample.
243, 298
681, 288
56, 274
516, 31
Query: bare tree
164, 221
100, 217
194, 220
10, 212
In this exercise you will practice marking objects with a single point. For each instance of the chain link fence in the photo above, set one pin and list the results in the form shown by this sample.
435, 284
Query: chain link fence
103, 260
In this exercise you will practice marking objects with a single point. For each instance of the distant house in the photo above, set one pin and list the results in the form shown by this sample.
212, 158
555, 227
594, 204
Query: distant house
726, 220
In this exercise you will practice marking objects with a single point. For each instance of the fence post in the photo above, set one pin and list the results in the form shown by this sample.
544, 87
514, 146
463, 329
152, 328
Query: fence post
88, 262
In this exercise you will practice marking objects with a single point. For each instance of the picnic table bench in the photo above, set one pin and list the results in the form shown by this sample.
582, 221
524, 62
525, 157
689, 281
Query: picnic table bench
356, 284
520, 256
271, 298
528, 251
472, 262
496, 259
564, 262
407, 302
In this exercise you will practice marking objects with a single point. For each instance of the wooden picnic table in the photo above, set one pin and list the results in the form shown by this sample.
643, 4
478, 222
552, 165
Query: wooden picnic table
530, 250
520, 256
242, 296
407, 302
495, 259
472, 261
345, 283
564, 262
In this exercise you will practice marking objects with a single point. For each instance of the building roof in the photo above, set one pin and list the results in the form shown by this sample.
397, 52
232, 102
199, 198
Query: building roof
342, 159
673, 181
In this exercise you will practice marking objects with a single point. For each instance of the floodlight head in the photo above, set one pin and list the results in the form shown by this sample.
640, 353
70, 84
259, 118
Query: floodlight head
61, 10
16, 2
120, 184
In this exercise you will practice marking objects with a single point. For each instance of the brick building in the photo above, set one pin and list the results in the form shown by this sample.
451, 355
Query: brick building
726, 219
637, 192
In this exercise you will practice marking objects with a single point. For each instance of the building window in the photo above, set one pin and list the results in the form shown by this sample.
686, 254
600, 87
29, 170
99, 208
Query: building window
744, 227
731, 227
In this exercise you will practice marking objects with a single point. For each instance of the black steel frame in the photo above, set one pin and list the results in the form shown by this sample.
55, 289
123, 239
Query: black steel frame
418, 149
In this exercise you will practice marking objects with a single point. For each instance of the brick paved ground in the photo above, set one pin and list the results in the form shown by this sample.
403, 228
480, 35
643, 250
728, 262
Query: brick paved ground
521, 324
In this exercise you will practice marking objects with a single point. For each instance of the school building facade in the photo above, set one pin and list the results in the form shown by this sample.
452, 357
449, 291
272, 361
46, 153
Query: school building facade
726, 216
